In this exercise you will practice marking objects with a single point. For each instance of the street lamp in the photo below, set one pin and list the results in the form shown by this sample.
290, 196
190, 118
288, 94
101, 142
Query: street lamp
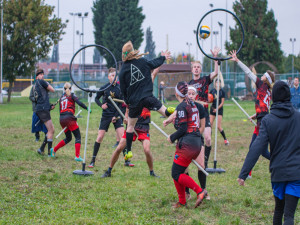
221, 26
83, 16
57, 52
74, 14
216, 34
189, 45
211, 45
293, 40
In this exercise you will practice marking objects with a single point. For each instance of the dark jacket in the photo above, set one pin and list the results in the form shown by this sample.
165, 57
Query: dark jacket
32, 99
281, 128
135, 79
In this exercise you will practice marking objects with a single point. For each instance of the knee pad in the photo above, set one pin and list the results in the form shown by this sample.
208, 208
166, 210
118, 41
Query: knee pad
77, 136
68, 137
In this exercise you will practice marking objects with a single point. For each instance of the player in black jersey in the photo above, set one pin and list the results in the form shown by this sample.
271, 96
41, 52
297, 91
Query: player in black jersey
109, 113
212, 113
202, 84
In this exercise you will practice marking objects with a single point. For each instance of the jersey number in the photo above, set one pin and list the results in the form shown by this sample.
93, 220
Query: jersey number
267, 99
195, 118
64, 104
180, 114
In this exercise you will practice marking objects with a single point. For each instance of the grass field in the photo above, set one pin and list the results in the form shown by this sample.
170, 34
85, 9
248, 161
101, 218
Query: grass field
36, 189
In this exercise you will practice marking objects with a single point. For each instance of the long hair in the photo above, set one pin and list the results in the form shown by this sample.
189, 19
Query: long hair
128, 52
67, 88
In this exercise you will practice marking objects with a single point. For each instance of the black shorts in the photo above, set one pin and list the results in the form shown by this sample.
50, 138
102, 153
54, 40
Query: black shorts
44, 116
150, 103
207, 121
105, 122
220, 113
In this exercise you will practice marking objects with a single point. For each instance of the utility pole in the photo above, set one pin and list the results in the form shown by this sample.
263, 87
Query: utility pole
1, 63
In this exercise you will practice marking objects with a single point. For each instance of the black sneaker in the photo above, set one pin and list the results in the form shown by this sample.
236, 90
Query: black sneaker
154, 175
92, 164
106, 174
39, 151
128, 163
37, 139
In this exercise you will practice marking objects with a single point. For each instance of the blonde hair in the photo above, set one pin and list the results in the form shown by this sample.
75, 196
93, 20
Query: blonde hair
198, 62
67, 87
128, 52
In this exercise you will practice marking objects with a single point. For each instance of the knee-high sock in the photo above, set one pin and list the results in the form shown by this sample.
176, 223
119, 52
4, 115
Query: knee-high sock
278, 212
77, 149
44, 144
202, 179
59, 145
49, 142
180, 191
96, 149
290, 208
187, 181
207, 153
223, 134
129, 138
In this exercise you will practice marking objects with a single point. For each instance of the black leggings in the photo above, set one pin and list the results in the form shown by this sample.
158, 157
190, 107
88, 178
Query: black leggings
286, 206
76, 134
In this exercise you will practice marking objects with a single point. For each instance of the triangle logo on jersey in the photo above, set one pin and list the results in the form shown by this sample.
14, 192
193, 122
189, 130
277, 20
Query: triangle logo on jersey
136, 75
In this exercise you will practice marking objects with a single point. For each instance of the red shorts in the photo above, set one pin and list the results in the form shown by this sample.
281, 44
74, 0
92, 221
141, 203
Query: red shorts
142, 136
70, 124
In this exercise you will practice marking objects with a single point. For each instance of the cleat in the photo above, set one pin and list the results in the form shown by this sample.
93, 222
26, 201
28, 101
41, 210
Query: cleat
128, 163
39, 151
226, 142
78, 159
207, 197
200, 198
37, 140
106, 174
178, 205
249, 177
116, 145
170, 109
92, 164
128, 155
52, 153
154, 175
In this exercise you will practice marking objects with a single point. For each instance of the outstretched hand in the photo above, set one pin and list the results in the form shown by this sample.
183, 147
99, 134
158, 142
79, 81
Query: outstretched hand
241, 182
215, 52
166, 54
233, 56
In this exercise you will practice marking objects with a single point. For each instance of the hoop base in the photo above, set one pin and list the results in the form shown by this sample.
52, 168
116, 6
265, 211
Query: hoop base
83, 171
215, 169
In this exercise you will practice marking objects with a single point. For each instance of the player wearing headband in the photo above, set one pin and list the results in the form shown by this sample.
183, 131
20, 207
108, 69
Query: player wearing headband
262, 101
137, 87
188, 145
67, 119
202, 84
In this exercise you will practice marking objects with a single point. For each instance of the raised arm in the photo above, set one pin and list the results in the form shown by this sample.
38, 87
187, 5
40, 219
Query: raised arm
242, 66
154, 73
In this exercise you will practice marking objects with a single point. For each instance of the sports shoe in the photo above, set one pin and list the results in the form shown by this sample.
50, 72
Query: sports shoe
106, 174
128, 155
200, 197
37, 139
52, 153
128, 163
178, 205
115, 145
249, 177
207, 197
40, 151
92, 164
154, 175
79, 159
226, 142
170, 109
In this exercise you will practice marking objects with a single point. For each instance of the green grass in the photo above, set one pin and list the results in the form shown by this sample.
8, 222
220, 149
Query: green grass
38, 190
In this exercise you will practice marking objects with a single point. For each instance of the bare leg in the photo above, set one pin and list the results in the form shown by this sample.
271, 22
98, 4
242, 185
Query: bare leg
220, 123
50, 129
117, 152
212, 119
148, 154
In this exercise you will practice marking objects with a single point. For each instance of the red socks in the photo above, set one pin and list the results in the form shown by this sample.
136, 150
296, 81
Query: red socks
77, 149
59, 145
181, 192
187, 181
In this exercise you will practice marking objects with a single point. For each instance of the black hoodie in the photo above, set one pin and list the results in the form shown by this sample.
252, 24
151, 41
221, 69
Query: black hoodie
281, 128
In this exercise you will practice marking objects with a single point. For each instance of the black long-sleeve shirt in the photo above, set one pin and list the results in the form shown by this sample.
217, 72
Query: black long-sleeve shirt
135, 79
114, 92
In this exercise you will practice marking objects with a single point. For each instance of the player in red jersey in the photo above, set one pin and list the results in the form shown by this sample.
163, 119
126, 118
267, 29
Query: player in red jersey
67, 119
262, 101
202, 84
188, 145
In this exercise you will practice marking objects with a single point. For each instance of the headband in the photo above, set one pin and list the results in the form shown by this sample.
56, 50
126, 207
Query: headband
192, 88
268, 77
179, 93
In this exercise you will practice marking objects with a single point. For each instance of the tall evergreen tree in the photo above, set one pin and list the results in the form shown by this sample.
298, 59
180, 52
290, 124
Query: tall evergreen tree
117, 22
29, 32
261, 36
150, 44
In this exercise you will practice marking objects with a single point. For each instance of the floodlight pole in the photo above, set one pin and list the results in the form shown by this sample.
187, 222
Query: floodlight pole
211, 44
293, 40
1, 63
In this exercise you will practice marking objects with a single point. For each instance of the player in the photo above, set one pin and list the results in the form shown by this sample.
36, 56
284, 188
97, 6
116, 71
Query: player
67, 119
212, 113
188, 145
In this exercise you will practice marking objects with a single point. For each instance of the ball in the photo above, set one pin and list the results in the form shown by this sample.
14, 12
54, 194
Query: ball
204, 32
210, 98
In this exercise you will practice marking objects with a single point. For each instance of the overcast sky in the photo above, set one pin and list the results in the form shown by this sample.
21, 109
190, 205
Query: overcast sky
176, 19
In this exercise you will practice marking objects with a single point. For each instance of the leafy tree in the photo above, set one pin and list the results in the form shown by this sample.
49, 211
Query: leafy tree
261, 35
28, 33
97, 56
150, 44
117, 22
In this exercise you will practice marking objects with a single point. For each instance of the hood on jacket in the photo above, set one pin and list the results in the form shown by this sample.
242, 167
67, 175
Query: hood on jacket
282, 109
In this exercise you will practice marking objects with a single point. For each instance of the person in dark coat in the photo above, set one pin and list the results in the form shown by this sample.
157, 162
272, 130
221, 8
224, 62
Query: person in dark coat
280, 128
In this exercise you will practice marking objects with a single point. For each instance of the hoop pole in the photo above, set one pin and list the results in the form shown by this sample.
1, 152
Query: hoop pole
66, 127
166, 135
87, 129
243, 111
